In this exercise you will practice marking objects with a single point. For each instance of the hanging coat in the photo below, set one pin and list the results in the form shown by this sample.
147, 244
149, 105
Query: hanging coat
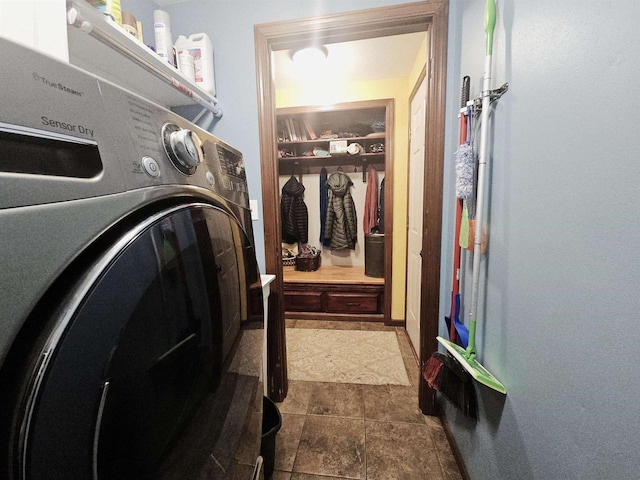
293, 213
341, 225
370, 217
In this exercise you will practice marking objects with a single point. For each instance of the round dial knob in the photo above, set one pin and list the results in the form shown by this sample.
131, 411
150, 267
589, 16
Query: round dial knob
187, 147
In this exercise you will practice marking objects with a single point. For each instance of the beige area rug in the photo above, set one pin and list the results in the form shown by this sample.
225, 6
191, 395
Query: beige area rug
345, 356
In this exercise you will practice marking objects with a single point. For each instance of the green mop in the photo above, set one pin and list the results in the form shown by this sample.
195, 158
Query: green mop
467, 358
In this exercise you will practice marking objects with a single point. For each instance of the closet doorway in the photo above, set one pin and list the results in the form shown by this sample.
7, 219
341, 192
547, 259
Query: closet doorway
431, 16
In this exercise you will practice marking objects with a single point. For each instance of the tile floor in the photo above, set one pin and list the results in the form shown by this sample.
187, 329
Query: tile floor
334, 431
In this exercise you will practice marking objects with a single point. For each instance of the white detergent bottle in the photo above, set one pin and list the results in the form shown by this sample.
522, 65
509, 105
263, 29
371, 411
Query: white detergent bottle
184, 61
200, 48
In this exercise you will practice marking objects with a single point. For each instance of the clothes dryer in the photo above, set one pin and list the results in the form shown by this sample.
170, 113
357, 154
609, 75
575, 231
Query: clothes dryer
130, 297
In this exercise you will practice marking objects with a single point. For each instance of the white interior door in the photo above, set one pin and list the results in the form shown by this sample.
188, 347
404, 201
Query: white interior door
415, 213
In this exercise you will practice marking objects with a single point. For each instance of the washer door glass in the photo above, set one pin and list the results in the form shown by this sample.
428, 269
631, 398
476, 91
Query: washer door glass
138, 348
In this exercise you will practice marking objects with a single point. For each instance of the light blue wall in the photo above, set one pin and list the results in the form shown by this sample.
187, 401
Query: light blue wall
561, 316
143, 11
229, 24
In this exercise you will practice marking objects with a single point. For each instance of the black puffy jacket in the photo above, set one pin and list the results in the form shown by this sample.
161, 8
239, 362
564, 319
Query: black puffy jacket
293, 213
341, 224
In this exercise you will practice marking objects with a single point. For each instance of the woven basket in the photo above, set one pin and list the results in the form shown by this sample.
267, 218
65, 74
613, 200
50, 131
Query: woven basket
308, 264
288, 262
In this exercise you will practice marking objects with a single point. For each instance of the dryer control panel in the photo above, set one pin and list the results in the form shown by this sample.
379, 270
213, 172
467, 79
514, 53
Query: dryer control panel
232, 167
171, 149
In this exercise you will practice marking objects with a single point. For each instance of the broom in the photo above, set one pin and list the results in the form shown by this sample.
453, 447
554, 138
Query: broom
444, 374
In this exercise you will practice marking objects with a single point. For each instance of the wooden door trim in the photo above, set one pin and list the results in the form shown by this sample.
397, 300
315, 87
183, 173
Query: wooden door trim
432, 222
277, 384
431, 15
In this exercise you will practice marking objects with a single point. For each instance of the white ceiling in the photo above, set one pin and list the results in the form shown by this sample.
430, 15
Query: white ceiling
370, 59
162, 3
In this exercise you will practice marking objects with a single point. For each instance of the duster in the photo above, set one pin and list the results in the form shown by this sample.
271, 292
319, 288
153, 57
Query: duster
341, 224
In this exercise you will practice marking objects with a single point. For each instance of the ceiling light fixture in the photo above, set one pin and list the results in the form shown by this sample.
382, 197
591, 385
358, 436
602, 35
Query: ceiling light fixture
309, 56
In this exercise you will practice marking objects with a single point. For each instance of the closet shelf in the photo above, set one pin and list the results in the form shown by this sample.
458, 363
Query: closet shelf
103, 48
375, 138
337, 159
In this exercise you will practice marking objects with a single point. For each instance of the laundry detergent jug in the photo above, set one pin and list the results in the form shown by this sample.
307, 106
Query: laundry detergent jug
198, 45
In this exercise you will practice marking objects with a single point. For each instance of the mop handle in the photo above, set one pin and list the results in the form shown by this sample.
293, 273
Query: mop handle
489, 25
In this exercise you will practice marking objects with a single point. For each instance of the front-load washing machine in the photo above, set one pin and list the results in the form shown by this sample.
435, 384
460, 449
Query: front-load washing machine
130, 297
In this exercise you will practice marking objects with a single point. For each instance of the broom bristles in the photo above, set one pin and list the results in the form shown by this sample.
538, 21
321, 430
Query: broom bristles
432, 371
444, 374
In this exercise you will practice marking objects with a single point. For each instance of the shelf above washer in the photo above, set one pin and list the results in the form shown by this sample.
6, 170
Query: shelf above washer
128, 62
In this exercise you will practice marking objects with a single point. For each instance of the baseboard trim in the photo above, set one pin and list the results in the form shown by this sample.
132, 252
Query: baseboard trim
394, 323
454, 447
336, 317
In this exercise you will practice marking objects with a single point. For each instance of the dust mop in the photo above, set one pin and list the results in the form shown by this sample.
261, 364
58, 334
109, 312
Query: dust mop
467, 357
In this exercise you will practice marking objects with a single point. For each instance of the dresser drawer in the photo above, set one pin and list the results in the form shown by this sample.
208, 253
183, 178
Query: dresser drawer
352, 302
303, 301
